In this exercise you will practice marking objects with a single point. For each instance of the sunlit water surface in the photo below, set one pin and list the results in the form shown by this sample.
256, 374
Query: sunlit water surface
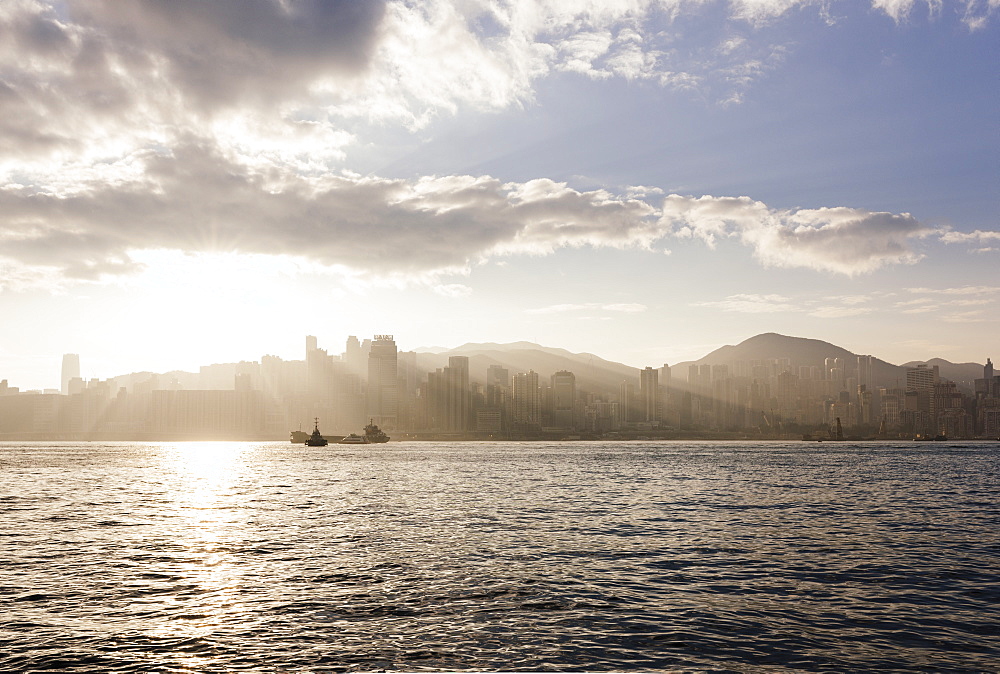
500, 556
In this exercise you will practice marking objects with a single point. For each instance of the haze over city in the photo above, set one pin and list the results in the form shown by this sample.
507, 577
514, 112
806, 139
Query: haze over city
187, 183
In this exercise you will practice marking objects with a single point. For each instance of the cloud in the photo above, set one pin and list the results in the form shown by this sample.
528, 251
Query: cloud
453, 290
630, 308
840, 312
88, 79
959, 290
752, 304
196, 198
843, 240
220, 126
977, 237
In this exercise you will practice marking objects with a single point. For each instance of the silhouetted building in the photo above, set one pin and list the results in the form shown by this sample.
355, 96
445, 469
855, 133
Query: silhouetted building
70, 370
382, 382
527, 400
649, 395
563, 399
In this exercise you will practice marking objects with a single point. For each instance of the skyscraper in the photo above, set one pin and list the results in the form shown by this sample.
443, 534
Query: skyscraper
70, 370
563, 399
649, 395
865, 372
527, 399
382, 381
456, 378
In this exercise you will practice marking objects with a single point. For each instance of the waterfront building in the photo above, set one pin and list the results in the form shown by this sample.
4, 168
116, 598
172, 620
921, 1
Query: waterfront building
526, 400
563, 396
456, 380
626, 402
383, 382
865, 372
649, 395
70, 370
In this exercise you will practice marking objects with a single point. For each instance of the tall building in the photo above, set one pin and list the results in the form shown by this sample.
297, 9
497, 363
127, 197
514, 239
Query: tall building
311, 344
526, 399
921, 377
649, 395
563, 399
70, 370
456, 380
865, 372
355, 357
382, 382
626, 402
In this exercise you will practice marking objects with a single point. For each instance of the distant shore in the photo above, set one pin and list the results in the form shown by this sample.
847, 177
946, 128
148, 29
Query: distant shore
456, 437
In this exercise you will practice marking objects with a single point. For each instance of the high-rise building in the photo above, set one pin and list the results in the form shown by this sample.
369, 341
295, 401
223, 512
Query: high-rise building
70, 370
921, 377
526, 399
382, 382
865, 372
626, 402
649, 395
355, 357
311, 344
456, 379
563, 399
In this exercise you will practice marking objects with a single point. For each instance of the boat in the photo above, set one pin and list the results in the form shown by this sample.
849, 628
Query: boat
374, 434
316, 439
354, 439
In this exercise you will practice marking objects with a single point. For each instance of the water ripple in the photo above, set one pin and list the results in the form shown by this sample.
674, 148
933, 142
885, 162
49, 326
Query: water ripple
479, 556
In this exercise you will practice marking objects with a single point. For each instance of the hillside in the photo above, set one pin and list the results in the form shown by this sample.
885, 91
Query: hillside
800, 351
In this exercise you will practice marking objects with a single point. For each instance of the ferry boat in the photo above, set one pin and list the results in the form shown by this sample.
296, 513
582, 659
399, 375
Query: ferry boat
354, 439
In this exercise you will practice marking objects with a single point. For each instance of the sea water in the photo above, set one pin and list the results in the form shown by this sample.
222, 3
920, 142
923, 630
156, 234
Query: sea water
718, 556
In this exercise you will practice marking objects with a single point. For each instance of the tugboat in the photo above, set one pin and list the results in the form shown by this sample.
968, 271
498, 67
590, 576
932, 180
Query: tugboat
316, 439
374, 434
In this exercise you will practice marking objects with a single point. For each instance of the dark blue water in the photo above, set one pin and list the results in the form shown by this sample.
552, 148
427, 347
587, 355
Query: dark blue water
717, 556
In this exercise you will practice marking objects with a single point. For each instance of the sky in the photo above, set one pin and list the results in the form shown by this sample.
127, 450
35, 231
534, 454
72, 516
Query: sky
190, 182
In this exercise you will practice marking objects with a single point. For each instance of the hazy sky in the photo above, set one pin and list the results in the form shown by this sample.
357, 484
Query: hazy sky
185, 182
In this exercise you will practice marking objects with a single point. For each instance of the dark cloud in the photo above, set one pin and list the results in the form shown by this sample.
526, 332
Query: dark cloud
228, 52
121, 71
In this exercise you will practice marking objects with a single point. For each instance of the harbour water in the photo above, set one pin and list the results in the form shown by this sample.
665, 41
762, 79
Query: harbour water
691, 556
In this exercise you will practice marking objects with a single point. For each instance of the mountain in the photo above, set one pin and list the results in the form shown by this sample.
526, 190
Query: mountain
807, 352
801, 351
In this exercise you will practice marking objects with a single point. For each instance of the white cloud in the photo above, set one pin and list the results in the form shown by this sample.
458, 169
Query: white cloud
219, 126
628, 308
453, 290
843, 240
960, 290
979, 236
752, 304
840, 312
196, 198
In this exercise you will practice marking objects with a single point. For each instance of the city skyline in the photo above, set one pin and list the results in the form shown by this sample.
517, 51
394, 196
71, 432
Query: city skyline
770, 386
356, 359
183, 184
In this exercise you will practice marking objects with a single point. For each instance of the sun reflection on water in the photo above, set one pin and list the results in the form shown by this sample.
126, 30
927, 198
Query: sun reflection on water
207, 526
